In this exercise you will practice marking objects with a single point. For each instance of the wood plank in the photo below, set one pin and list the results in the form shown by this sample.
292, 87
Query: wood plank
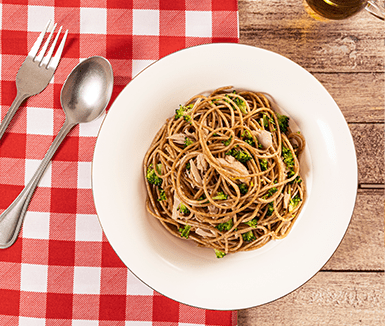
363, 245
351, 45
360, 96
327, 299
369, 142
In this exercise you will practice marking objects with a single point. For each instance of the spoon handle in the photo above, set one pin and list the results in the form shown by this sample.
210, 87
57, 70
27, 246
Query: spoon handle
12, 218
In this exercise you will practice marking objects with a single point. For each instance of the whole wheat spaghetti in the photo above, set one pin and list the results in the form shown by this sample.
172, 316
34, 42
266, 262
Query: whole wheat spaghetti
224, 172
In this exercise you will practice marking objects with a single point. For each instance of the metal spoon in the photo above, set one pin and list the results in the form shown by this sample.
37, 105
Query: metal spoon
84, 97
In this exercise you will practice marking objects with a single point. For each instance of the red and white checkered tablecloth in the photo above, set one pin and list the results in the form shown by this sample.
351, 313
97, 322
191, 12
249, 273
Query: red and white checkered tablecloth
62, 270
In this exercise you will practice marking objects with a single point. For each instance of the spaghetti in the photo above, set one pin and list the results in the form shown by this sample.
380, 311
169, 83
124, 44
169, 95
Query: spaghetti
224, 172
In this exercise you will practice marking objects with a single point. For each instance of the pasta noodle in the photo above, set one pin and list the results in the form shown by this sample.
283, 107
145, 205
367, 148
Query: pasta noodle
224, 172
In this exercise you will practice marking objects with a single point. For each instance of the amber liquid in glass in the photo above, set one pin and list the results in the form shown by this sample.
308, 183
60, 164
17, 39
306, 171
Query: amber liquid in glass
336, 9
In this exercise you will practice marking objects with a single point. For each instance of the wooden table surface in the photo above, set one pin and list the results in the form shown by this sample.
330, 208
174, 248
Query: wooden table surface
347, 57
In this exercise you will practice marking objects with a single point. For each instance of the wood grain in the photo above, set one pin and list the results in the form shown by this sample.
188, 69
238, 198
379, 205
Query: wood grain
363, 245
347, 57
369, 142
360, 96
352, 45
331, 299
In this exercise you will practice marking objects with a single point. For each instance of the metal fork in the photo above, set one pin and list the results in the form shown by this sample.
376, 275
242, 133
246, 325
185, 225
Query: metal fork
36, 71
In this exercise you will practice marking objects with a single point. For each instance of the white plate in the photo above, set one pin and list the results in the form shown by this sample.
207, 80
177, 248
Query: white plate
177, 268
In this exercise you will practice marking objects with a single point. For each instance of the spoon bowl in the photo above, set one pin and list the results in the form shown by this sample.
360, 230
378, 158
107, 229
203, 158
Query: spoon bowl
84, 97
87, 90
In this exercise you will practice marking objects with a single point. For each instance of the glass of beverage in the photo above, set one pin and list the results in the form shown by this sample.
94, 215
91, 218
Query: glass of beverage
341, 9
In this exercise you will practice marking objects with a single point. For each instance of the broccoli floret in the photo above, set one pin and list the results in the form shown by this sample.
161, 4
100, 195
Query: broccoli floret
241, 104
219, 254
241, 156
263, 164
162, 195
238, 102
188, 142
250, 142
183, 209
266, 119
183, 111
228, 141
220, 196
180, 112
296, 180
246, 134
247, 138
293, 202
270, 209
151, 176
248, 236
243, 188
287, 157
226, 226
252, 222
283, 122
270, 193
184, 232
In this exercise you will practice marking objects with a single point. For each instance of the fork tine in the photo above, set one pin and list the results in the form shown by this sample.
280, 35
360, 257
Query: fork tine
35, 48
55, 60
39, 58
47, 58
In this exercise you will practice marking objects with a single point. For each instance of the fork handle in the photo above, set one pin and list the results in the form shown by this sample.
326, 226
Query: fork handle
12, 218
20, 97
